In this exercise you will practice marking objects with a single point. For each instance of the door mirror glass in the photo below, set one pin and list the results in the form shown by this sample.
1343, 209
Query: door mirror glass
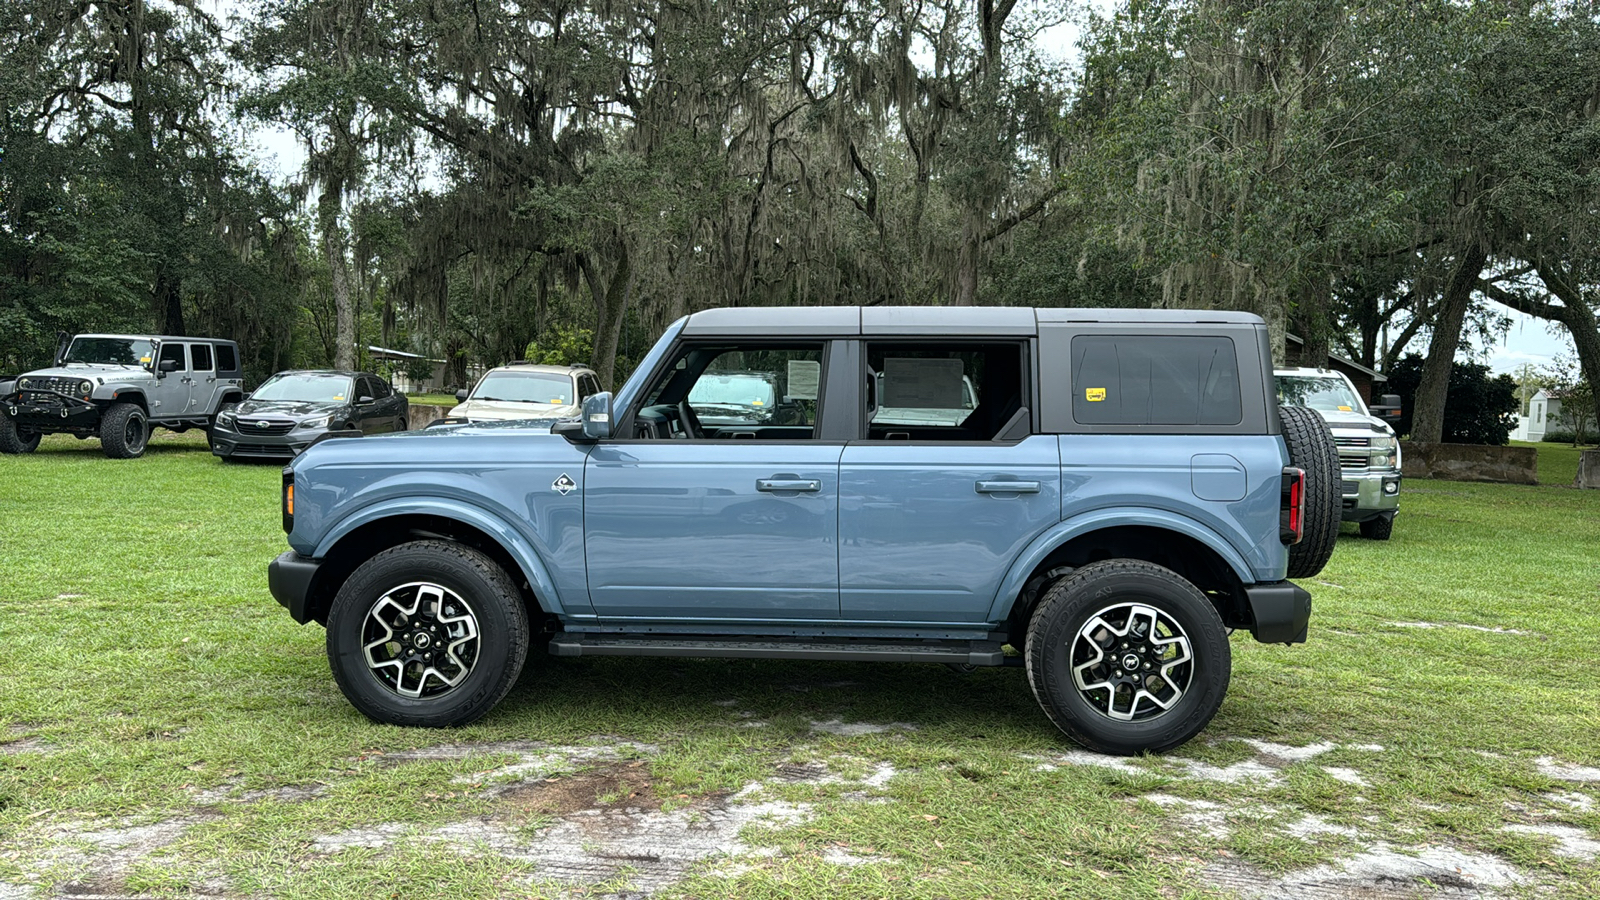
597, 416
461, 396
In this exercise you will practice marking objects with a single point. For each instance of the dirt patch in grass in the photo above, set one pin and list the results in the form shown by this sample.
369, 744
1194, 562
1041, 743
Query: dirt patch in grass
616, 785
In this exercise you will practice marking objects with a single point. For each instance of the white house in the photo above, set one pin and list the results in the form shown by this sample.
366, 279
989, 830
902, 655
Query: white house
1544, 414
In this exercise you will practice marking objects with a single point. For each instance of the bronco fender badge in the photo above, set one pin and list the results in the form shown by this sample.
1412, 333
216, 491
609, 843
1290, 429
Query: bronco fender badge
563, 485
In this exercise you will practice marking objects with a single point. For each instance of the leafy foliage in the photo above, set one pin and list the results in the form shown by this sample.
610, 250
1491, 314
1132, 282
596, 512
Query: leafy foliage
1479, 409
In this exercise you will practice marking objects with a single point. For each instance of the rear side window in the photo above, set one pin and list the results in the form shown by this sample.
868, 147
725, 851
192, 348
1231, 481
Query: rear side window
227, 358
1155, 380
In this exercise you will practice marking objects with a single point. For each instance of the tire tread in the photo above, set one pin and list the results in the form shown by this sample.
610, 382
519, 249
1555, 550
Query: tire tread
1311, 448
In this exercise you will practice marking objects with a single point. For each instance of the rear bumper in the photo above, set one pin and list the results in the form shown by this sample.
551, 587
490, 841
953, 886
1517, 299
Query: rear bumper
289, 577
1280, 610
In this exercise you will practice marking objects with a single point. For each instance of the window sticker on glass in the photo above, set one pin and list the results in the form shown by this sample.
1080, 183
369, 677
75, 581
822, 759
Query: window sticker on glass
918, 383
804, 377
1094, 395
338, 396
1345, 409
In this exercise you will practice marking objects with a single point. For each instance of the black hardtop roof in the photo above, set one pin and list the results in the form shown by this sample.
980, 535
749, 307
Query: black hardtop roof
934, 320
155, 337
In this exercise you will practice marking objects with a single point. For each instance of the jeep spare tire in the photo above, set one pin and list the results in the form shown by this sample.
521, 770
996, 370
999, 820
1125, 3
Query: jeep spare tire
1311, 449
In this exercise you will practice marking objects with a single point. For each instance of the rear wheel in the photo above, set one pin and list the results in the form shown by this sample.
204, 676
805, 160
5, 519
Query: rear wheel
1127, 657
1378, 529
15, 439
1311, 448
429, 633
124, 431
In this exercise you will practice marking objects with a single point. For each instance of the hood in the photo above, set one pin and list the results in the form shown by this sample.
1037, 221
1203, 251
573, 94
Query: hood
507, 410
93, 372
492, 426
1340, 419
293, 409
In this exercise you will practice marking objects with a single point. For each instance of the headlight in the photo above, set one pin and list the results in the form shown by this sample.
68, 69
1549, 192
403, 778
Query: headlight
86, 387
318, 422
225, 419
1383, 442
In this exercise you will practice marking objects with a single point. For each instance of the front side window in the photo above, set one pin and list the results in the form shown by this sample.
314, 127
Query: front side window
173, 353
945, 391
755, 392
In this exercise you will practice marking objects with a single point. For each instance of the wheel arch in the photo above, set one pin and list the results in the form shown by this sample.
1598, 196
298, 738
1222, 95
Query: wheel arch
120, 394
1183, 545
377, 529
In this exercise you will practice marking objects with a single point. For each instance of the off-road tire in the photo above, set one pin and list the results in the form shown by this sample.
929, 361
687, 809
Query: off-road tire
1311, 449
1062, 629
16, 440
363, 614
124, 431
1378, 529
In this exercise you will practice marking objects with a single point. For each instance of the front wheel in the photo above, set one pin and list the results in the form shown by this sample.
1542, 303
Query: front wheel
429, 633
1127, 657
124, 431
15, 439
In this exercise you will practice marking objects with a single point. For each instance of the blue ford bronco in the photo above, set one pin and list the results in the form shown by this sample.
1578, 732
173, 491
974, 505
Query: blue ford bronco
1097, 496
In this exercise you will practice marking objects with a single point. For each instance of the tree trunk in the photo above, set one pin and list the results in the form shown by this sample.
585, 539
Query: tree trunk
1313, 313
611, 307
330, 206
1427, 418
169, 305
1575, 314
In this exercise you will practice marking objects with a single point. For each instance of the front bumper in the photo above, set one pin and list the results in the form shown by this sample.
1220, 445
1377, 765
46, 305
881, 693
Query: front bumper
59, 413
1369, 494
229, 442
1280, 612
290, 577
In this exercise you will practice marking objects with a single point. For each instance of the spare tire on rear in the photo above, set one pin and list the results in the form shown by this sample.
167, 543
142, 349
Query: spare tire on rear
1311, 449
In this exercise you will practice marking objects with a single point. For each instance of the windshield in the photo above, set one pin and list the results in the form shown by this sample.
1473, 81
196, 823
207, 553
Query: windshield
525, 387
110, 351
305, 387
1325, 393
732, 390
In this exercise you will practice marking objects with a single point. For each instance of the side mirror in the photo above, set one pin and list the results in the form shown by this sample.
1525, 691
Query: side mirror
461, 396
597, 416
165, 366
1389, 400
363, 400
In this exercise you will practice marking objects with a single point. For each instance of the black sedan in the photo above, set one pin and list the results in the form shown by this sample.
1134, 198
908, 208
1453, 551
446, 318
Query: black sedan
290, 410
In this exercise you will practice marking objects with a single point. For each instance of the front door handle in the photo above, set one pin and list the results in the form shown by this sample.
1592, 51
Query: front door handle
1007, 487
770, 485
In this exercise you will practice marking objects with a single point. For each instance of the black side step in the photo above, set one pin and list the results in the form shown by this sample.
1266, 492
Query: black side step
972, 653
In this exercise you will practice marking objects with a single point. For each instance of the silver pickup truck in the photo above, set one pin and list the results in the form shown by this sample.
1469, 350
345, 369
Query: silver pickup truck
1369, 451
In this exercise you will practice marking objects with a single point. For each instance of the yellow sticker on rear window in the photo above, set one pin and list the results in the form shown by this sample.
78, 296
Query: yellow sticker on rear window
1094, 395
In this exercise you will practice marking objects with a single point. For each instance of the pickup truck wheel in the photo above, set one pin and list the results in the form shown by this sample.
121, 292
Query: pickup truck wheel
1378, 529
1312, 449
1127, 657
16, 440
429, 633
124, 431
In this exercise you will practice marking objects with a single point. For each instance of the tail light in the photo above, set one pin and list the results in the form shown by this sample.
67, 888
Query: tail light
288, 499
1291, 518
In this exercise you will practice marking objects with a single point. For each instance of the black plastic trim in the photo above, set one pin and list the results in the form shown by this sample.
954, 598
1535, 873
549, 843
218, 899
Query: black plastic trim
975, 653
289, 578
1281, 611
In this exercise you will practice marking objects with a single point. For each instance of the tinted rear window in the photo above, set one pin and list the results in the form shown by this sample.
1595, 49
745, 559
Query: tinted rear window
1155, 380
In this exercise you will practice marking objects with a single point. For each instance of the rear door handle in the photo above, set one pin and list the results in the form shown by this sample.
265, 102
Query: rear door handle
1007, 487
770, 485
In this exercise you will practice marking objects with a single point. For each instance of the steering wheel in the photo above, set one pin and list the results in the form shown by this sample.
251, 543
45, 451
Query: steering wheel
689, 421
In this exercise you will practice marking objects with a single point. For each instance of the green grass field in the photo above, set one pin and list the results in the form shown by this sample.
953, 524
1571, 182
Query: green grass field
166, 730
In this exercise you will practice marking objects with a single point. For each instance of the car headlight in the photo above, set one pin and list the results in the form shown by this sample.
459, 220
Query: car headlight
1383, 442
225, 419
318, 422
85, 387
